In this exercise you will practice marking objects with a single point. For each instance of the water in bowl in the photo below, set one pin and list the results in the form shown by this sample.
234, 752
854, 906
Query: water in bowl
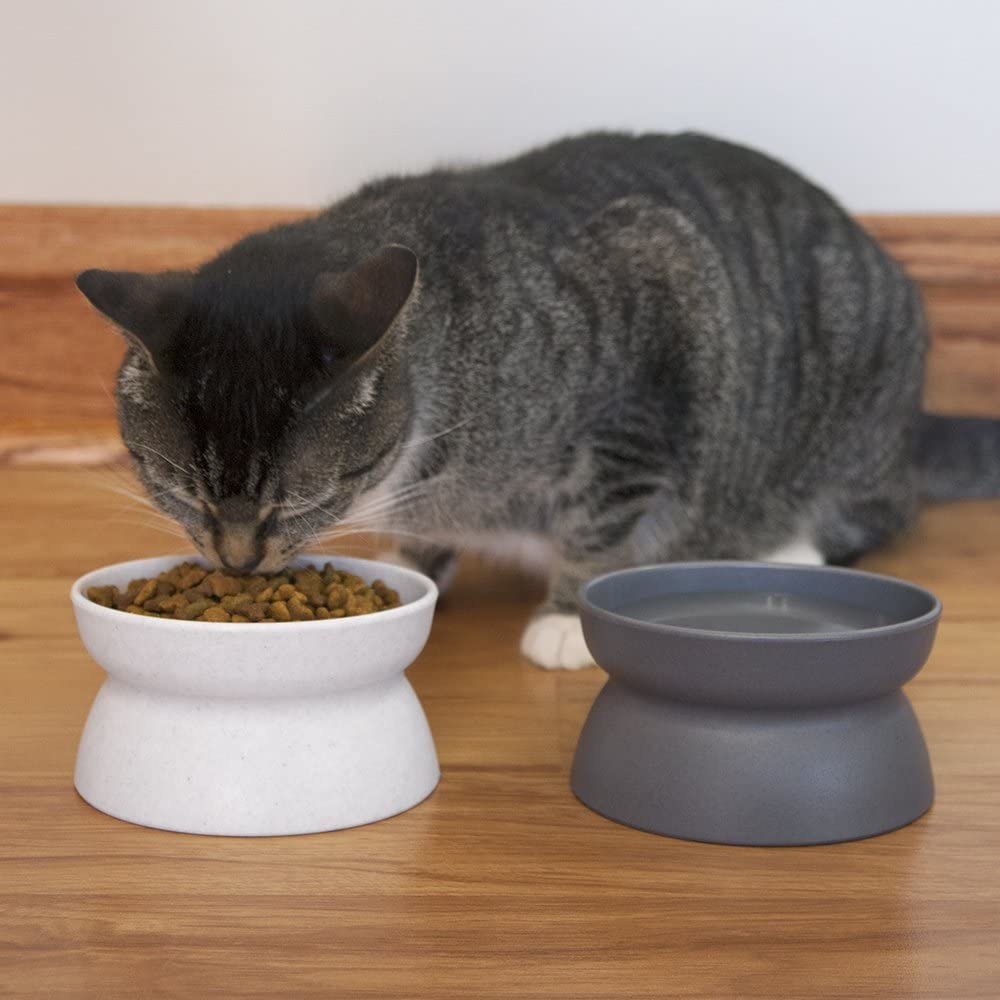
755, 612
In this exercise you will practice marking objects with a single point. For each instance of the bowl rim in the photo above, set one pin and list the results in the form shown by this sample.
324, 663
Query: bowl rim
856, 635
81, 602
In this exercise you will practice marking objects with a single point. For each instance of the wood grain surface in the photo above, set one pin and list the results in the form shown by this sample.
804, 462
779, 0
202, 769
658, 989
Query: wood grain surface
501, 884
59, 358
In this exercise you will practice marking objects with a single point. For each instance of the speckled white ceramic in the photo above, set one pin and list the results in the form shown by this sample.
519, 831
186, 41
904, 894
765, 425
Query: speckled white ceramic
256, 730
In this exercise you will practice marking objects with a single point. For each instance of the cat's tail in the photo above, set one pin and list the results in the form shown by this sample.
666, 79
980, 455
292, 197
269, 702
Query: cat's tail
959, 457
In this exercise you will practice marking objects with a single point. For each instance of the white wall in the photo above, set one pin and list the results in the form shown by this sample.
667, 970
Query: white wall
892, 104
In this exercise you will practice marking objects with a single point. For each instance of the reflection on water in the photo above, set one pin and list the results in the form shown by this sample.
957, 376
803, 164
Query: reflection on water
756, 612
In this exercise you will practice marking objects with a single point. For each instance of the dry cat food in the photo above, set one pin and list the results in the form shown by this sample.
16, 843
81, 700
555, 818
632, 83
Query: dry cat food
189, 592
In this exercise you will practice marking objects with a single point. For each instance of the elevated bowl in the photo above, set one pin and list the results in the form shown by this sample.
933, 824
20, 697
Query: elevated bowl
256, 729
755, 703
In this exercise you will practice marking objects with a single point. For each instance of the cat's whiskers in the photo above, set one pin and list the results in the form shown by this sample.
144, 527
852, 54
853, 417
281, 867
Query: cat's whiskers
296, 505
374, 523
400, 495
113, 481
146, 499
307, 531
167, 528
183, 470
302, 503
424, 439
116, 481
335, 535
391, 501
145, 502
380, 521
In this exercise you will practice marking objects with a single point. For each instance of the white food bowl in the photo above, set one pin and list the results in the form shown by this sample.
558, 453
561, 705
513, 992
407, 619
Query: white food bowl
256, 729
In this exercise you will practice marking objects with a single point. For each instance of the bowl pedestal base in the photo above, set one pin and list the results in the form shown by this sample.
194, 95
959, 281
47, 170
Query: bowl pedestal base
256, 767
753, 776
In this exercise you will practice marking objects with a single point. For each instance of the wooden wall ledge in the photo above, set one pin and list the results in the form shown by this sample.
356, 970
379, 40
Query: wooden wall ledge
59, 358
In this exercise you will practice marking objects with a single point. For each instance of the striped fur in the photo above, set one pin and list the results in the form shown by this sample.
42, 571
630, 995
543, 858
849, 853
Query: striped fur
636, 347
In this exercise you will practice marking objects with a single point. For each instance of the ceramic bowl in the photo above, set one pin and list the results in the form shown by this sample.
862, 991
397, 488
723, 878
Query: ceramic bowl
753, 703
253, 730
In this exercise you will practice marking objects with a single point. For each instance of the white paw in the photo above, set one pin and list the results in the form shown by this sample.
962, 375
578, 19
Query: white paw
799, 551
556, 642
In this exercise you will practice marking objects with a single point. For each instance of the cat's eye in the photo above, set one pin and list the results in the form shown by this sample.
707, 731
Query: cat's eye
268, 524
192, 503
369, 466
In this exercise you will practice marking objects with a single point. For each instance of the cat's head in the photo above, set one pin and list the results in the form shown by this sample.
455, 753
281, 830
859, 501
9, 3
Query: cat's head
260, 403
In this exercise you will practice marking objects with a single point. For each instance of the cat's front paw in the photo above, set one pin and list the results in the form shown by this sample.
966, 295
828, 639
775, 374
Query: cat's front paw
555, 642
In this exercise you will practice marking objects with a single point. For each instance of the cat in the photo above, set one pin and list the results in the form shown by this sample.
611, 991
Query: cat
616, 349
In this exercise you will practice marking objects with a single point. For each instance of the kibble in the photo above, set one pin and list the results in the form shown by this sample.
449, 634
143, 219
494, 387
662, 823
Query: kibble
189, 592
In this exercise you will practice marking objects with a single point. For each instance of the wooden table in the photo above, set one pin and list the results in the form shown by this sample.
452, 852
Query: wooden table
501, 884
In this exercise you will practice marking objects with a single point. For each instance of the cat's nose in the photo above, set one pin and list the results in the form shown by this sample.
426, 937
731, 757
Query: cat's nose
247, 566
238, 546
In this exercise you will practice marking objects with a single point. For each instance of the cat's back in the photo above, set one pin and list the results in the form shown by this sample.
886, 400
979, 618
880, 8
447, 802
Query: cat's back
574, 178
686, 169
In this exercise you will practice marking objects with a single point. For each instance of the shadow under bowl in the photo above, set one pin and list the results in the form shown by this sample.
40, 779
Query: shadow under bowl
755, 703
255, 730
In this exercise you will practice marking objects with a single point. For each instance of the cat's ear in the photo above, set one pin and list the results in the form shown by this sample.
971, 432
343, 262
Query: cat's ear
148, 308
357, 308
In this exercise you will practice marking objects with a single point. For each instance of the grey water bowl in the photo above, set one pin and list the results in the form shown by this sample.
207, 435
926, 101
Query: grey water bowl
754, 703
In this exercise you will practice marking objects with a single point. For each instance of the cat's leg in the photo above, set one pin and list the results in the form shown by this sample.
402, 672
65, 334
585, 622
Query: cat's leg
621, 516
596, 536
850, 530
436, 561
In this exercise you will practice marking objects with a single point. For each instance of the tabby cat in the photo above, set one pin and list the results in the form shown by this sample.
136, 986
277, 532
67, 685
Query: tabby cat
612, 350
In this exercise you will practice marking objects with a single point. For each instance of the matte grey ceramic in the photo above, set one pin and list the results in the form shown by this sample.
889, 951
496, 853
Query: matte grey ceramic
753, 703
